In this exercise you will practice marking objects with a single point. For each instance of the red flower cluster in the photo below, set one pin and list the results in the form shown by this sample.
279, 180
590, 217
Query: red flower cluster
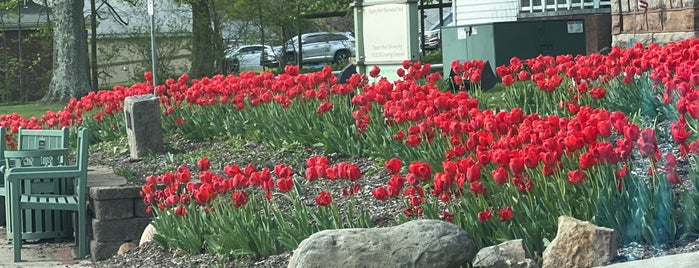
175, 190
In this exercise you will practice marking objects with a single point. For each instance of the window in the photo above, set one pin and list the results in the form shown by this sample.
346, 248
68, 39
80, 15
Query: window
314, 39
337, 37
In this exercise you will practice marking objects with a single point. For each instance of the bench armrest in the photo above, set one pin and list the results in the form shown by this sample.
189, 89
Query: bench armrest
26, 173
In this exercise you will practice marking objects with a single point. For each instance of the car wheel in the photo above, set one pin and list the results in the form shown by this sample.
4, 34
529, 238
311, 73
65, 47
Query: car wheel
231, 66
341, 56
290, 58
235, 66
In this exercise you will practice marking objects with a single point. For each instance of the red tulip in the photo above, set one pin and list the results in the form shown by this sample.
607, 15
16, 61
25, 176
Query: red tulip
422, 170
505, 213
576, 176
473, 173
239, 199
202, 195
413, 140
400, 72
448, 217
485, 215
647, 143
282, 170
380, 193
587, 160
395, 185
180, 211
499, 175
204, 164
523, 75
477, 188
679, 132
353, 172
374, 72
597, 93
323, 199
291, 70
285, 184
508, 80
673, 177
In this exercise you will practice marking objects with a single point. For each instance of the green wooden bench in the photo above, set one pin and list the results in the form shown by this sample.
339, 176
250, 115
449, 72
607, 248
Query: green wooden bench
40, 224
64, 187
3, 189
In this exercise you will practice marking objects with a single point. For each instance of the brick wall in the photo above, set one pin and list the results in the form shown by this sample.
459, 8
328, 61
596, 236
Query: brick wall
35, 69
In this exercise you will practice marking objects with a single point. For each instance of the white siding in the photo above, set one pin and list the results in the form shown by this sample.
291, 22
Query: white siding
470, 12
170, 17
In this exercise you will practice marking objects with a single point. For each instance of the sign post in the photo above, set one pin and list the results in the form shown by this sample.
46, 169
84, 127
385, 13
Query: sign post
152, 44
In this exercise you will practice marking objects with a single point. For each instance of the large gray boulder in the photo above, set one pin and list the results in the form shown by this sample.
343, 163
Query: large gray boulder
418, 243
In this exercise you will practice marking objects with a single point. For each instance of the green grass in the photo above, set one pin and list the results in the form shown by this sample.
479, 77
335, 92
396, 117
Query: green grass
30, 109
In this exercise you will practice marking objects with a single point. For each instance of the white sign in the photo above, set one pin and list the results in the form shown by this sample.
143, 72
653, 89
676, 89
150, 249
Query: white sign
575, 26
150, 7
461, 33
386, 33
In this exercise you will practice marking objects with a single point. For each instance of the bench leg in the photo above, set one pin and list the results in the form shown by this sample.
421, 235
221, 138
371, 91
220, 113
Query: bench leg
82, 234
17, 231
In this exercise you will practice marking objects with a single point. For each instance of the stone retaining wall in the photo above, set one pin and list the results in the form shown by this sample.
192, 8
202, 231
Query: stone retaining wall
117, 216
665, 21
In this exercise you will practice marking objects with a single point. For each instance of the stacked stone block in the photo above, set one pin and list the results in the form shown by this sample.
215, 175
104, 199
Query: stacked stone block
118, 217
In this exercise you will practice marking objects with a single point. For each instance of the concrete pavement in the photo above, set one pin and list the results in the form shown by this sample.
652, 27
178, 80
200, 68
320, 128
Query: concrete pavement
40, 254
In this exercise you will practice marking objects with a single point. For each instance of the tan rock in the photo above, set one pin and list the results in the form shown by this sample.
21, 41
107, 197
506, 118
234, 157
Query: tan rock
509, 254
147, 235
580, 244
126, 247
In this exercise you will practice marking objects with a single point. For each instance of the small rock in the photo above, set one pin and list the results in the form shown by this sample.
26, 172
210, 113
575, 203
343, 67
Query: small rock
418, 243
580, 244
504, 255
147, 235
126, 247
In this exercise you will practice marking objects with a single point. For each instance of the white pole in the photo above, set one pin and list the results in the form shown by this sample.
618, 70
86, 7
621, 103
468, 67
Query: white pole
151, 13
635, 12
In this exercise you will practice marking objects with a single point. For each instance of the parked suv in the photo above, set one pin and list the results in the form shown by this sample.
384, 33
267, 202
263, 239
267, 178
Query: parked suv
321, 47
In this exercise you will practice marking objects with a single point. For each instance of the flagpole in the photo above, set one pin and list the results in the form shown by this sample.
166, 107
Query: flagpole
635, 12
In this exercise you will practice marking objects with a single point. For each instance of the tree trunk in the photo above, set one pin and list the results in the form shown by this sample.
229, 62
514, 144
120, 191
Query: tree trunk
207, 44
70, 74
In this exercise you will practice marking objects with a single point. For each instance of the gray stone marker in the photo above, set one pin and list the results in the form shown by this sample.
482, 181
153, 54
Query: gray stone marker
143, 128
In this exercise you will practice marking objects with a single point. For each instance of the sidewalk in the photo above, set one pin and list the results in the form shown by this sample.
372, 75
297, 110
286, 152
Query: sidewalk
50, 253
40, 254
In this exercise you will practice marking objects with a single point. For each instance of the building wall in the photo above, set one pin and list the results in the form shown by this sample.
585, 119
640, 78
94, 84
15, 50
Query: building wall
664, 21
123, 60
35, 69
471, 12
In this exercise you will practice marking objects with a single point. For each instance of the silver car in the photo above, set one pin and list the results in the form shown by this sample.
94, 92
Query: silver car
252, 57
321, 47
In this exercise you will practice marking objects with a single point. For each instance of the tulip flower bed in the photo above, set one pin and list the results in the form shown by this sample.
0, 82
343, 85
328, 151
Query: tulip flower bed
568, 139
